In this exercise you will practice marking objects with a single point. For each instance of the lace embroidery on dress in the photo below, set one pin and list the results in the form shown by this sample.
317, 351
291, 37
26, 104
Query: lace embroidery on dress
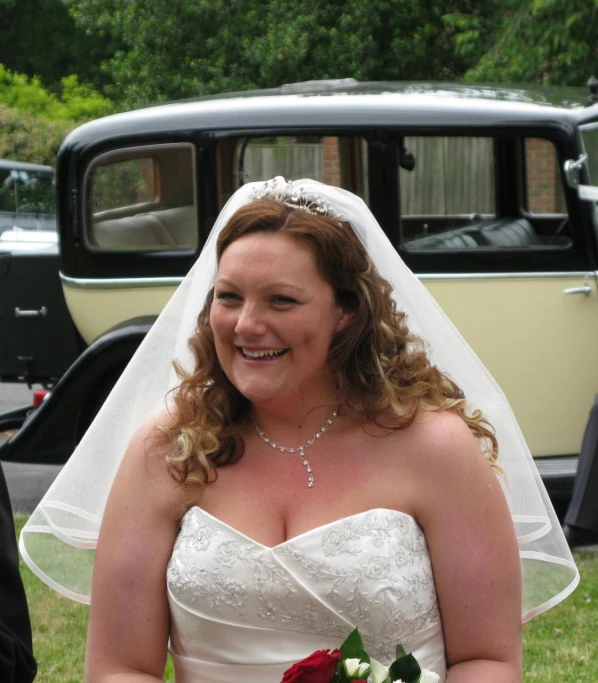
228, 574
386, 588
372, 570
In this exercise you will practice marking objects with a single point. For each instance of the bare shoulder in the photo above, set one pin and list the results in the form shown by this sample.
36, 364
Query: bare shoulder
444, 438
436, 439
443, 462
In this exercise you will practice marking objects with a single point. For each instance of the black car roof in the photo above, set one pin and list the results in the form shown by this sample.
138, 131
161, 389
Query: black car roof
348, 103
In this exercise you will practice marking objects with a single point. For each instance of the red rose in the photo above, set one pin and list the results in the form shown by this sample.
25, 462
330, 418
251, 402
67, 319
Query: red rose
319, 667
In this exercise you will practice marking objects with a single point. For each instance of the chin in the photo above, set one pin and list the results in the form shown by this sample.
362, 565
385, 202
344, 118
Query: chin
258, 393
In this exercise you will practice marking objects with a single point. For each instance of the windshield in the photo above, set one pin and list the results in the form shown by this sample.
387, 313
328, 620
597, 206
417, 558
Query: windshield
27, 199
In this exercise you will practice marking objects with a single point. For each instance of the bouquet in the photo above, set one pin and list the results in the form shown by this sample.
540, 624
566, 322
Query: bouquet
352, 663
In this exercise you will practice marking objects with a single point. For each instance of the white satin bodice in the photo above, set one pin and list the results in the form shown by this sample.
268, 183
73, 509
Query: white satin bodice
241, 611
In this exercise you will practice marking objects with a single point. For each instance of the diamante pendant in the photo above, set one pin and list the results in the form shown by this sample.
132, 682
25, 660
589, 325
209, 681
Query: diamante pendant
300, 449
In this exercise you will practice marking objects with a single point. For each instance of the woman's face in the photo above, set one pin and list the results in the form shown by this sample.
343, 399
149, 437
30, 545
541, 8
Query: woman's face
273, 318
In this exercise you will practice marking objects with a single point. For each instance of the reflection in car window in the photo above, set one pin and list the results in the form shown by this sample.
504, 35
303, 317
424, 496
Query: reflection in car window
27, 198
123, 183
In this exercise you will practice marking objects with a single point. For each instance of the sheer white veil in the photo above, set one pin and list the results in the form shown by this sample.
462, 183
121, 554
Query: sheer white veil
59, 539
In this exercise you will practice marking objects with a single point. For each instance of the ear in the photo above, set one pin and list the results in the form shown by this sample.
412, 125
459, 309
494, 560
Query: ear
343, 319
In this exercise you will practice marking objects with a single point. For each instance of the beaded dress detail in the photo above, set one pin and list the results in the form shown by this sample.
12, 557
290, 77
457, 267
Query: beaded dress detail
244, 611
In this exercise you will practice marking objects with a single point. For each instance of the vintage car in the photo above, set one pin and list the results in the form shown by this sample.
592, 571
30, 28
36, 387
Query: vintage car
484, 191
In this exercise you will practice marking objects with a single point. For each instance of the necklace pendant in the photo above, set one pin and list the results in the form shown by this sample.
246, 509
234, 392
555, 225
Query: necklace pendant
300, 449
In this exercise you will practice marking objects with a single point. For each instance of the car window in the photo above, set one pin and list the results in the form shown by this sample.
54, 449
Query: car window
478, 193
445, 184
341, 161
142, 199
589, 135
544, 185
125, 183
27, 199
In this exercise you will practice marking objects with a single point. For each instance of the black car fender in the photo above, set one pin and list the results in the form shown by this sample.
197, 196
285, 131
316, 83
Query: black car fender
50, 433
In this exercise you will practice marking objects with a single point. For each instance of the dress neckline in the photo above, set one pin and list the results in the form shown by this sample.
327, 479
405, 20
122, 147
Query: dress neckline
303, 534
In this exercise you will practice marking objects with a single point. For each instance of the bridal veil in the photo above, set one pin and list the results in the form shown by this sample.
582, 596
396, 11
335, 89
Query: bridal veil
59, 539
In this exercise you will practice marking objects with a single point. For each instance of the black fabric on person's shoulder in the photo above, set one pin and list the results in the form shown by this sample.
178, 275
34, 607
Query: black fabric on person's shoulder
582, 515
17, 664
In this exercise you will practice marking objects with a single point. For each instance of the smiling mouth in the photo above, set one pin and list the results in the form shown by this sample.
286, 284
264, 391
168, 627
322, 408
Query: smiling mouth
261, 354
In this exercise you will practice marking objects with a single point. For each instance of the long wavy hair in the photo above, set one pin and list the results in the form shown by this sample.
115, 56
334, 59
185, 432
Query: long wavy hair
380, 368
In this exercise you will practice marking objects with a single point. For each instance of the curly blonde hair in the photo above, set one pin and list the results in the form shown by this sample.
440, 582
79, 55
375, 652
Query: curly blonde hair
381, 370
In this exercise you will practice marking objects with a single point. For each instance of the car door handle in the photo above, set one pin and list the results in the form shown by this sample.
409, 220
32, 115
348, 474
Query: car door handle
42, 313
584, 289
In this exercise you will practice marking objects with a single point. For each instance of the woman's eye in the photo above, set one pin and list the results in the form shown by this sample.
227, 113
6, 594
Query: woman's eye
227, 296
279, 299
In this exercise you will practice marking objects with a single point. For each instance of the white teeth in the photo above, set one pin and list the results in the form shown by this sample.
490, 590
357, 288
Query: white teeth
270, 353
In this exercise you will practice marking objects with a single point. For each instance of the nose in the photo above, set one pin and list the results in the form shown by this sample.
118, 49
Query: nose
250, 321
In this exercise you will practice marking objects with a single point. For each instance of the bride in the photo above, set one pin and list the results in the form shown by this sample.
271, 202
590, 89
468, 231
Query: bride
315, 470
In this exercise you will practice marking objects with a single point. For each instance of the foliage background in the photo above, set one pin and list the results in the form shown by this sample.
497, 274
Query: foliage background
34, 121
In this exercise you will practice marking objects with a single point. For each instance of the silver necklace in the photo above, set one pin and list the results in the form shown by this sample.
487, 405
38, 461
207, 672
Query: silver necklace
300, 449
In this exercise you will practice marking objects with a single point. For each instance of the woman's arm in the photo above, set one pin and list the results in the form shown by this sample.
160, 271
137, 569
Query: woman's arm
129, 618
473, 547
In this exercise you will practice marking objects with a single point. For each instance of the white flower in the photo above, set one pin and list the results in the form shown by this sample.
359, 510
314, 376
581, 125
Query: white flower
429, 677
363, 670
399, 680
355, 667
379, 671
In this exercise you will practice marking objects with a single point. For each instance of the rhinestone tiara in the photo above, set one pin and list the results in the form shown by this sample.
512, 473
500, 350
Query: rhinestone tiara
296, 198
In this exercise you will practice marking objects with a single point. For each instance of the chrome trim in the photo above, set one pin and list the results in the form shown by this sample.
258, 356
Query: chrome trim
550, 467
119, 282
42, 312
504, 276
133, 283
584, 289
572, 167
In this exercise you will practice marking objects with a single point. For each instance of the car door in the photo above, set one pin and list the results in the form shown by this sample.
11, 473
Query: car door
505, 251
38, 340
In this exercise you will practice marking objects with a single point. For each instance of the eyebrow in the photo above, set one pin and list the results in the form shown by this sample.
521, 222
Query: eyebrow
270, 285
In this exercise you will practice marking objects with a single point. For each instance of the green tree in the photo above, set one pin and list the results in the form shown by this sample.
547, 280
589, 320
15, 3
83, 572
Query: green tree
538, 41
172, 49
26, 137
40, 38
35, 121
73, 102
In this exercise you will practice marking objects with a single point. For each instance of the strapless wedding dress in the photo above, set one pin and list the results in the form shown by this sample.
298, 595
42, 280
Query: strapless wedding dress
242, 611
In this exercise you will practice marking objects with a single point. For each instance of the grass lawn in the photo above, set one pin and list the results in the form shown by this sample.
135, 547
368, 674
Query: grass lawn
559, 646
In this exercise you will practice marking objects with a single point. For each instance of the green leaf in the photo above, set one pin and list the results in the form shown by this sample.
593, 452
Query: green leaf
352, 647
406, 669
399, 651
379, 672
